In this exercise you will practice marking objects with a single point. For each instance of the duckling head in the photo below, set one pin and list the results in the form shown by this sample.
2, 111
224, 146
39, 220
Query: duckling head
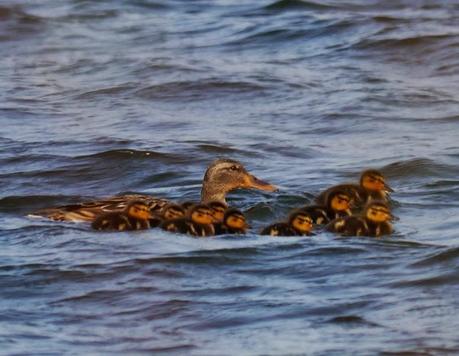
301, 221
225, 175
187, 205
218, 210
172, 211
234, 219
339, 201
378, 212
373, 180
202, 214
138, 210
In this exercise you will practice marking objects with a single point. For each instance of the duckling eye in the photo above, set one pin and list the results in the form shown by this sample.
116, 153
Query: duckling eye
234, 168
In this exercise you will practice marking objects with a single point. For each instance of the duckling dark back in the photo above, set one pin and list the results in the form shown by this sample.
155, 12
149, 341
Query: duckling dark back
348, 226
299, 224
114, 221
318, 214
279, 229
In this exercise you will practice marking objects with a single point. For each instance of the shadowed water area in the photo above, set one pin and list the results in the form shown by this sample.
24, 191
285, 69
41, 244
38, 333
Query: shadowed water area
99, 98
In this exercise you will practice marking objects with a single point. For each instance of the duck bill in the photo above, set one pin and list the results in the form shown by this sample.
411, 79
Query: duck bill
253, 182
388, 189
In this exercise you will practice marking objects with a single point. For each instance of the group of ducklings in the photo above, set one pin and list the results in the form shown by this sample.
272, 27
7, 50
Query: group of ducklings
347, 209
214, 218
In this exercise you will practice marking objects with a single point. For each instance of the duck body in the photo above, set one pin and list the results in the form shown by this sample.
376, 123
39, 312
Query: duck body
374, 222
136, 216
88, 211
221, 177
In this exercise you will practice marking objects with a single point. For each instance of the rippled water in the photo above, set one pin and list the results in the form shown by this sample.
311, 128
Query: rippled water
104, 97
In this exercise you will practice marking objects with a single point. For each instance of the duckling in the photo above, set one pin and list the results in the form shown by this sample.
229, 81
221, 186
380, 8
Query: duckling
172, 211
135, 216
372, 186
168, 212
218, 209
318, 214
299, 224
199, 223
375, 221
337, 204
187, 206
221, 177
233, 222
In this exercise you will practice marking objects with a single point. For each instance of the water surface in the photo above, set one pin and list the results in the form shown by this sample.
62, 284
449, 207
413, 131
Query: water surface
101, 98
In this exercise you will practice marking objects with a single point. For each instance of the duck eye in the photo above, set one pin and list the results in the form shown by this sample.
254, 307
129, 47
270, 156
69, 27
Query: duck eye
234, 168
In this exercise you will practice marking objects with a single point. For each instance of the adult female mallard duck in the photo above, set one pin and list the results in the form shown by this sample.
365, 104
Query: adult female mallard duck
372, 186
375, 221
221, 177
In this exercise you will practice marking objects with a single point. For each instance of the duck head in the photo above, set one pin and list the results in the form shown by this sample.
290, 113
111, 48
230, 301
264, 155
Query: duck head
225, 175
218, 209
202, 214
234, 219
138, 210
378, 212
339, 201
301, 222
373, 180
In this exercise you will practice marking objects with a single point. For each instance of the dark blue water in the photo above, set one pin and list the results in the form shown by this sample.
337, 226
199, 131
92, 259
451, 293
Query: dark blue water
99, 98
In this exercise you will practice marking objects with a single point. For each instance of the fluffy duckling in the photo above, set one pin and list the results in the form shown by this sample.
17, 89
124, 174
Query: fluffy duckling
135, 216
199, 222
187, 206
372, 186
337, 204
233, 222
168, 212
299, 224
318, 214
218, 209
221, 177
375, 221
